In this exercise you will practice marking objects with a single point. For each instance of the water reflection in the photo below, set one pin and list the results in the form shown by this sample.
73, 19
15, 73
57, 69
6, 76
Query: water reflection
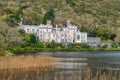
101, 60
71, 63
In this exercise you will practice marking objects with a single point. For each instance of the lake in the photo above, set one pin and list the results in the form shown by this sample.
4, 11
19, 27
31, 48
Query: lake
74, 66
74, 62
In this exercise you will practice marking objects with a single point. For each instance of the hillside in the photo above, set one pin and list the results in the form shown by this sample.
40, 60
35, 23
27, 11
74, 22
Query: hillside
101, 17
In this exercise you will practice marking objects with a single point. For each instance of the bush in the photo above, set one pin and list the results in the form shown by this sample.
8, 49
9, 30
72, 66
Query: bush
70, 46
39, 44
53, 44
84, 45
62, 45
114, 45
104, 46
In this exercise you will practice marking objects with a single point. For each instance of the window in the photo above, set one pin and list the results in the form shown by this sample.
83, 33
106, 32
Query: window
62, 40
27, 29
66, 40
40, 35
62, 35
61, 29
66, 35
37, 30
78, 37
53, 35
74, 41
33, 29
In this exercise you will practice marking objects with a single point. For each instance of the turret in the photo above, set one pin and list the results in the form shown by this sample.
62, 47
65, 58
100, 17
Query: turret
21, 22
56, 26
68, 23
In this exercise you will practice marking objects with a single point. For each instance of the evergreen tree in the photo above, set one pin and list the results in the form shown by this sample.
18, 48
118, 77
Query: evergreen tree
48, 16
33, 39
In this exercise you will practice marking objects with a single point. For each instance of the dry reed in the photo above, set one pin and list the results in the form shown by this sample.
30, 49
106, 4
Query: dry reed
24, 62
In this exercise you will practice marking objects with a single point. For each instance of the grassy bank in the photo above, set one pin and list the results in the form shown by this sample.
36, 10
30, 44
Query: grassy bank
33, 50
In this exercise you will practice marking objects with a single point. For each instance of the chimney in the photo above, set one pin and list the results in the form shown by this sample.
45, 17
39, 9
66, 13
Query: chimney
68, 23
48, 22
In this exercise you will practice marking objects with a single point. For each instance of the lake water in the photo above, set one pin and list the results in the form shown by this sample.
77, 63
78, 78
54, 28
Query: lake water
80, 60
75, 66
73, 62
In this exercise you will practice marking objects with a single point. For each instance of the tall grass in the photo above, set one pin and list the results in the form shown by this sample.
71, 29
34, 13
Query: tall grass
25, 67
89, 74
19, 62
51, 75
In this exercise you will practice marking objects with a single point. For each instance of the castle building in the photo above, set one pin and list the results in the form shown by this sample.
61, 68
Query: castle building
47, 33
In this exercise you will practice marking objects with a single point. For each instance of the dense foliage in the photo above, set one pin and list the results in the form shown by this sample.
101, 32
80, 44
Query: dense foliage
100, 17
9, 36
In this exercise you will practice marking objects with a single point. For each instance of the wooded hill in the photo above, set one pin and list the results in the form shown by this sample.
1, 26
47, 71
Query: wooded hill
99, 17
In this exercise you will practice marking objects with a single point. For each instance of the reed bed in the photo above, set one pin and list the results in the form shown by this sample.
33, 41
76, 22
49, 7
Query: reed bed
52, 75
25, 67
89, 74
26, 62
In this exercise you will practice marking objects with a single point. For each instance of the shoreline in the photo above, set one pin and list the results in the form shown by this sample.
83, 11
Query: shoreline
21, 51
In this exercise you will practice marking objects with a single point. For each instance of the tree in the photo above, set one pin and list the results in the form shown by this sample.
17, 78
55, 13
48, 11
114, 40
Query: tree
31, 17
82, 29
48, 16
53, 44
117, 39
40, 44
33, 39
2, 45
22, 32
11, 36
84, 45
100, 31
13, 16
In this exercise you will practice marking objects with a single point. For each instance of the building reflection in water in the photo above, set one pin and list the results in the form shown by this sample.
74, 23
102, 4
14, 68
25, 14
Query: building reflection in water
71, 63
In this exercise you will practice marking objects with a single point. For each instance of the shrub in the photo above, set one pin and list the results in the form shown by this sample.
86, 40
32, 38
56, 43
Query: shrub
84, 45
53, 44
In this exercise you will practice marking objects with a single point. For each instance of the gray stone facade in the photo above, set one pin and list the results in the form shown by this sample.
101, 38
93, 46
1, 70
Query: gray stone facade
93, 41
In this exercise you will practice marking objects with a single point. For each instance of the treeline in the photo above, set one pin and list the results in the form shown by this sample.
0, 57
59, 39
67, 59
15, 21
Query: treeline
99, 17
